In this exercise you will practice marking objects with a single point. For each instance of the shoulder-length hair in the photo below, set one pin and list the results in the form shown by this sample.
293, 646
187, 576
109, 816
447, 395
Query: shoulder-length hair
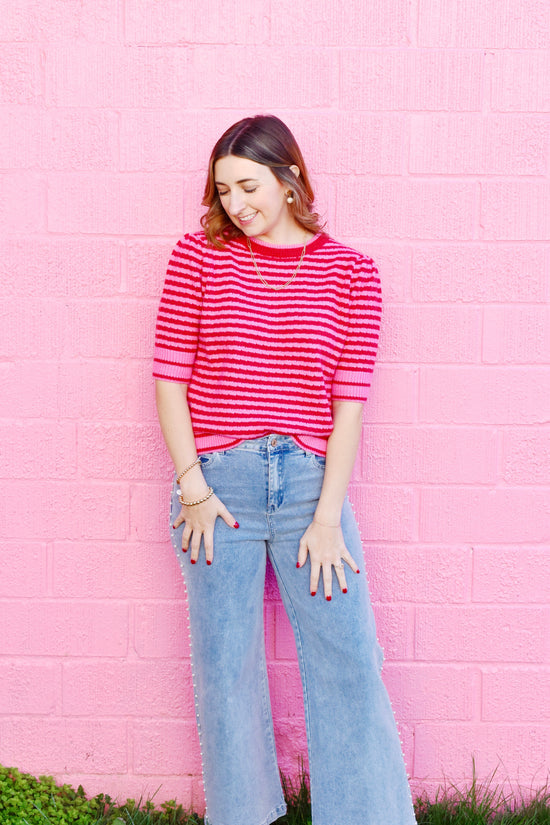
267, 140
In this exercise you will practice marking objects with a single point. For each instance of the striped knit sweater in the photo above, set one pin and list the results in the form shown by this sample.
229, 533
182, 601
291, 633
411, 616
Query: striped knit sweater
259, 361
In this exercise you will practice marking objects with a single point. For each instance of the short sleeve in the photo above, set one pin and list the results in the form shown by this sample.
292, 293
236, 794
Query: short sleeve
178, 317
352, 378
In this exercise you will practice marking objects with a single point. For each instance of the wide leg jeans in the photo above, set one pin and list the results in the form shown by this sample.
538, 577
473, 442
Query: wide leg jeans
357, 773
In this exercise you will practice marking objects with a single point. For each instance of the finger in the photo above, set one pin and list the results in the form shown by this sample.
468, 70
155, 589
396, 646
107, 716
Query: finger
209, 547
302, 553
327, 581
195, 546
314, 577
185, 536
230, 520
350, 561
341, 576
179, 520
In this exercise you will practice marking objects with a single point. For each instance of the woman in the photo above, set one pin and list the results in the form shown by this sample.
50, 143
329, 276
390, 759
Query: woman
266, 339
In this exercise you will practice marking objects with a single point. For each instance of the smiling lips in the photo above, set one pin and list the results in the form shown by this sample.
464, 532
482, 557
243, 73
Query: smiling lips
245, 219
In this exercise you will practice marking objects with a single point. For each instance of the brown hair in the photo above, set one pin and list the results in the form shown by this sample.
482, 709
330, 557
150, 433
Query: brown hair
267, 140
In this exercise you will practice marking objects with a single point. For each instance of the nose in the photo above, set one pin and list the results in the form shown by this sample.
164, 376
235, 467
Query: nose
236, 202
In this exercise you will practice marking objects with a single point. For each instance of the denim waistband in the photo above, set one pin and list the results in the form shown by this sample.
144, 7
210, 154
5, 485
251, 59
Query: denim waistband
274, 442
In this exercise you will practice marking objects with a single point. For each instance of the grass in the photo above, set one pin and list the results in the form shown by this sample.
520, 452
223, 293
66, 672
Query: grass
25, 800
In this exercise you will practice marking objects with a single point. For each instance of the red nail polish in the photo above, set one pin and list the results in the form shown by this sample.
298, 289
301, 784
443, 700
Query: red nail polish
173, 527
313, 592
345, 590
357, 571
297, 564
193, 561
184, 549
236, 525
208, 562
329, 598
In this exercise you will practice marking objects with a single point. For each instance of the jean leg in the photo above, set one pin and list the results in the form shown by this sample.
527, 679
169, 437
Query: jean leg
357, 770
225, 603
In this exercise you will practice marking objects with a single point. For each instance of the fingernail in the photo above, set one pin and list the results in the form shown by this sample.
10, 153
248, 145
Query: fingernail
184, 549
345, 590
313, 592
173, 527
208, 562
329, 598
297, 564
357, 571
193, 561
236, 525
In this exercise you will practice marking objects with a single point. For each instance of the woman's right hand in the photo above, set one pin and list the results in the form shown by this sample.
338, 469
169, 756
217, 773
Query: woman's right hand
199, 522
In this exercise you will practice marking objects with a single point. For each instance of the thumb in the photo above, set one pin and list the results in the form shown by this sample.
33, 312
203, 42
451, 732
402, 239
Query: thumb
230, 520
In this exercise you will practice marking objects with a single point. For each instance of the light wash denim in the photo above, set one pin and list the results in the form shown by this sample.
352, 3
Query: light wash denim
357, 772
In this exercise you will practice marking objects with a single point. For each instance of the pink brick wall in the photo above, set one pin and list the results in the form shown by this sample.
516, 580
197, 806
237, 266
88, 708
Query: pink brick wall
427, 129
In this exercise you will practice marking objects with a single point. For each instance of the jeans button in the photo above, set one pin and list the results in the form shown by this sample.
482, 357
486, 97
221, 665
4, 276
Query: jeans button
273, 442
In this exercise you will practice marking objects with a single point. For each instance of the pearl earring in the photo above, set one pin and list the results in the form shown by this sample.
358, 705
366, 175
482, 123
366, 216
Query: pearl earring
290, 197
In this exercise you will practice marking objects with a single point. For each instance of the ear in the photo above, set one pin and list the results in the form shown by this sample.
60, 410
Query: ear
295, 170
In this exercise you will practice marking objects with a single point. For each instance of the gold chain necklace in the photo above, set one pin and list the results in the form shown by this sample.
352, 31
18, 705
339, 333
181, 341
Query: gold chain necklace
261, 277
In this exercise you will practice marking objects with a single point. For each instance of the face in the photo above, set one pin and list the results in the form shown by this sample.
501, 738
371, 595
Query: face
254, 200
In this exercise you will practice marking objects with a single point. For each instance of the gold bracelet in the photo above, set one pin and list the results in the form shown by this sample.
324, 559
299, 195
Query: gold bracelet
198, 501
181, 475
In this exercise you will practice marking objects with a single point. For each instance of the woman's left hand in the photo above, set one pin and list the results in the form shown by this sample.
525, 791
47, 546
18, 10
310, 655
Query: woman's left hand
326, 548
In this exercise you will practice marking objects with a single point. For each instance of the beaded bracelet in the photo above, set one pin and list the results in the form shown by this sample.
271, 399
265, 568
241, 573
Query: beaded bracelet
198, 501
181, 475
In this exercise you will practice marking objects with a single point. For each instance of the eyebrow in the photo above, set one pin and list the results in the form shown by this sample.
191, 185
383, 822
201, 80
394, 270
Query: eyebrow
242, 180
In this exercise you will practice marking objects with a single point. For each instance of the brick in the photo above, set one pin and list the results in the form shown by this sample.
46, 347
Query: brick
18, 687
395, 631
159, 787
89, 510
511, 575
385, 513
112, 570
220, 23
56, 453
145, 147
55, 267
516, 335
519, 80
84, 20
471, 24
515, 210
393, 395
419, 573
431, 334
415, 209
484, 395
114, 328
257, 77
481, 273
526, 456
15, 382
140, 405
162, 629
117, 77
114, 204
150, 512
448, 749
485, 634
40, 340
108, 451
376, 142
50, 746
431, 692
20, 74
60, 139
146, 262
120, 689
92, 388
285, 647
291, 743
484, 515
285, 690
22, 202
411, 79
429, 455
466, 144
165, 747
394, 266
516, 695
23, 569
341, 25
55, 628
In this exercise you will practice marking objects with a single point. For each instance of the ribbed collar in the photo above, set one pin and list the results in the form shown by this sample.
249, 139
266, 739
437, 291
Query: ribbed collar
274, 251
